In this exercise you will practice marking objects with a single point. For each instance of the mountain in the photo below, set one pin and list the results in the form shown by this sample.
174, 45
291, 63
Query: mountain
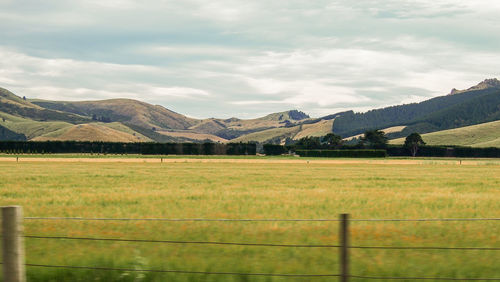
123, 110
475, 105
127, 120
123, 120
292, 115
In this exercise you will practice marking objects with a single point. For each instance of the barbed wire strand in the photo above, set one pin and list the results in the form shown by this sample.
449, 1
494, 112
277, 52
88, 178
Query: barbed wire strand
265, 244
254, 220
182, 242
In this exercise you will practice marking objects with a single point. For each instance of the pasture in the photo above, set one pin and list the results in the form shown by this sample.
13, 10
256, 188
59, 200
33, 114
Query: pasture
281, 189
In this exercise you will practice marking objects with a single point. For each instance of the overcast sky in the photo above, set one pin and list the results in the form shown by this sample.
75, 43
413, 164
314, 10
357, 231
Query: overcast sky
248, 58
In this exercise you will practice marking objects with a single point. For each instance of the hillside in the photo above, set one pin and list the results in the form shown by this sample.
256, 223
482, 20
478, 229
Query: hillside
90, 132
292, 115
16, 106
480, 135
131, 120
233, 128
7, 134
280, 135
123, 110
145, 117
478, 104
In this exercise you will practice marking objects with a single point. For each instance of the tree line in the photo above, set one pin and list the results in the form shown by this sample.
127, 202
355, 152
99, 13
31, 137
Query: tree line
144, 148
372, 144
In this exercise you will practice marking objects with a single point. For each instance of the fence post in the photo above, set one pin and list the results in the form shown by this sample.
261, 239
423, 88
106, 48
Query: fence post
13, 244
344, 247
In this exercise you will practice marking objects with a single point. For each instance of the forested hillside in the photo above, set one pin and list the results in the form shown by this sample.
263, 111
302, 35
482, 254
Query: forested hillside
472, 106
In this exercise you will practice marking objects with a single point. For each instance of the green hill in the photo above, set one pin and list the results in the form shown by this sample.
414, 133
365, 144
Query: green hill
16, 106
7, 134
480, 135
30, 128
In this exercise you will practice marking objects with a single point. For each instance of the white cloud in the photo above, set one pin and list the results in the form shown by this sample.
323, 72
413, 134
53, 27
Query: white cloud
180, 92
224, 57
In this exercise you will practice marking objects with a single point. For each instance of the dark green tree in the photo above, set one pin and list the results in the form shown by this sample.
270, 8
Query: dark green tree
308, 142
332, 140
413, 142
375, 139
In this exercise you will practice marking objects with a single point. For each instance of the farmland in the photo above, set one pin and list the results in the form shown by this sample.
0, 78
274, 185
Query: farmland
269, 188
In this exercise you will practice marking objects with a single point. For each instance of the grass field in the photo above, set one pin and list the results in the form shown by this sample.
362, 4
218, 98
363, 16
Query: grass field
255, 190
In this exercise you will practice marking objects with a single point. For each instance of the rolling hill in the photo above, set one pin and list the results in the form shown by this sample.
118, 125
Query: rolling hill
91, 132
479, 135
123, 120
127, 120
123, 110
280, 135
17, 106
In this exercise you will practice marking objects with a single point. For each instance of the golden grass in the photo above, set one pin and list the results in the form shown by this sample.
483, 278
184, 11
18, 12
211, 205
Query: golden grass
259, 190
317, 129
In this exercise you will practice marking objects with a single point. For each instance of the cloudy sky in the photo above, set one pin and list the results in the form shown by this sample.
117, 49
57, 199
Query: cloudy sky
245, 58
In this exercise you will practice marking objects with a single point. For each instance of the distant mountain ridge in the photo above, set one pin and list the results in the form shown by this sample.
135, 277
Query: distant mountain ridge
128, 120
123, 120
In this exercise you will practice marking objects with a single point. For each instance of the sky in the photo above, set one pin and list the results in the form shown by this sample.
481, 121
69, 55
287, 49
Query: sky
246, 59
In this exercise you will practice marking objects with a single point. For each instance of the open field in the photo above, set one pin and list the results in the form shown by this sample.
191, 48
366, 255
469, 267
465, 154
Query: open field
265, 188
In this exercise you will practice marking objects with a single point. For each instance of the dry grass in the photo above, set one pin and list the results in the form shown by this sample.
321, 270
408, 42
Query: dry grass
317, 129
257, 190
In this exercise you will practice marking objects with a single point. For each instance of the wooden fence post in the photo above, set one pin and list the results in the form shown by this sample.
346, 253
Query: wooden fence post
344, 247
13, 244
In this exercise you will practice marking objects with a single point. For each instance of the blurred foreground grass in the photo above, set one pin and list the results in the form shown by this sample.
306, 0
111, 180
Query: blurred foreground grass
245, 190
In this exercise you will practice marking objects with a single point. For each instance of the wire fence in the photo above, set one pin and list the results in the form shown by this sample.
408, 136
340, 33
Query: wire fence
344, 247
260, 220
264, 244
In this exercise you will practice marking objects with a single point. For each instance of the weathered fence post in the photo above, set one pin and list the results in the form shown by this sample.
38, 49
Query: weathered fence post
344, 247
13, 244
